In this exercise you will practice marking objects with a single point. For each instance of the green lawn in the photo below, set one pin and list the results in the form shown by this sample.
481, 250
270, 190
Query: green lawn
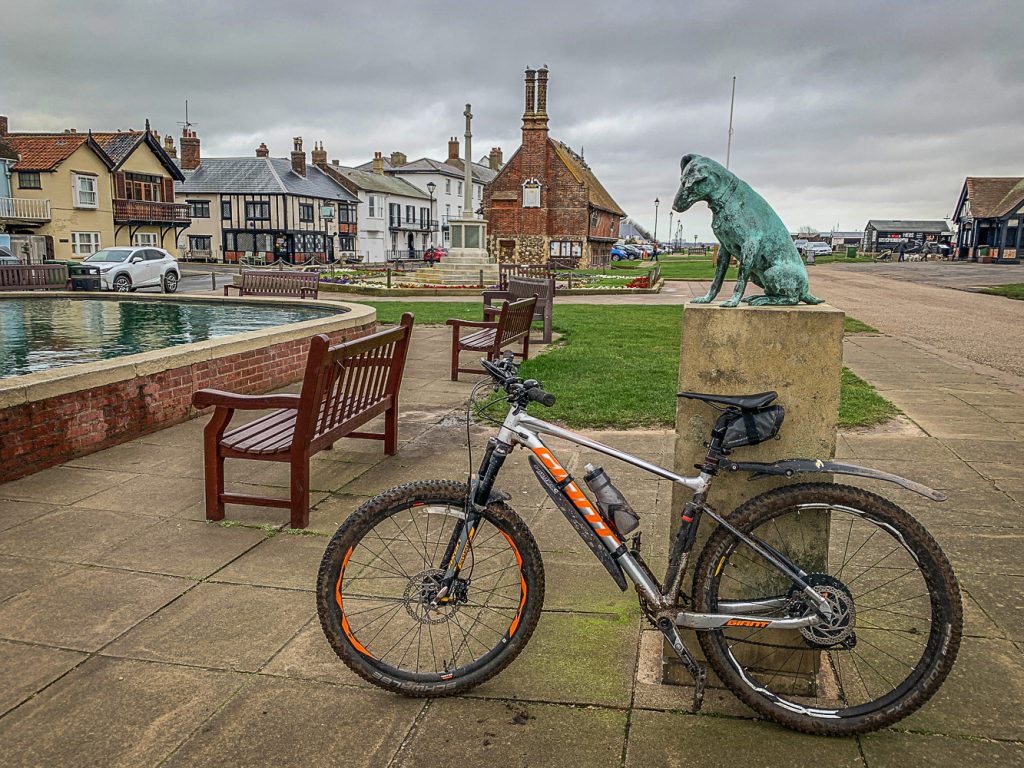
853, 325
617, 366
1010, 290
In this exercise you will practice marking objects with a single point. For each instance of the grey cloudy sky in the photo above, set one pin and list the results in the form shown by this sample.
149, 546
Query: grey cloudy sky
844, 111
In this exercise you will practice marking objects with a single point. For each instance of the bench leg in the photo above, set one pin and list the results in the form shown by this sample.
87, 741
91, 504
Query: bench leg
547, 328
391, 430
300, 492
526, 346
455, 354
214, 472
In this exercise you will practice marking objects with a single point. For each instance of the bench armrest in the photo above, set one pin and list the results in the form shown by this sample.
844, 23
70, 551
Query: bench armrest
456, 323
490, 296
232, 287
308, 291
204, 398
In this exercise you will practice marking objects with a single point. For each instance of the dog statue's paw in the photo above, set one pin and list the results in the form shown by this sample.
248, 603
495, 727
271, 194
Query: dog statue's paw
731, 303
702, 300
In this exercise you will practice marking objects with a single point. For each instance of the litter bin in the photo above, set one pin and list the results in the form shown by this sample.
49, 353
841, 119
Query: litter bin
851, 251
83, 277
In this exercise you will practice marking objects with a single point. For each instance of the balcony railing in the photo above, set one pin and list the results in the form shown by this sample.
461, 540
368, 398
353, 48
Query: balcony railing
151, 212
412, 225
24, 209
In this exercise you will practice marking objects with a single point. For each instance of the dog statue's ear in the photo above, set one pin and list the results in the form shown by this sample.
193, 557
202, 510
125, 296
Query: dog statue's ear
685, 161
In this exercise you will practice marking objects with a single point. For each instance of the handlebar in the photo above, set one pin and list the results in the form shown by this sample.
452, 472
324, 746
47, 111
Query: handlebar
520, 392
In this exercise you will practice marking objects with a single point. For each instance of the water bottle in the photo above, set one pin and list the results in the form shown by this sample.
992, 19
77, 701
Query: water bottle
610, 501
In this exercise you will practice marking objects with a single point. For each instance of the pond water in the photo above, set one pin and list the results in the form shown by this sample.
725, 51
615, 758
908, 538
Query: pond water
41, 333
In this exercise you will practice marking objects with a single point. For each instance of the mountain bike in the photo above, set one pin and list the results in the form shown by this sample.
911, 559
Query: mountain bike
824, 607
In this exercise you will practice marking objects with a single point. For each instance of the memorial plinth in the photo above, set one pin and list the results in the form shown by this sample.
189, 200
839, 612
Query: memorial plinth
796, 351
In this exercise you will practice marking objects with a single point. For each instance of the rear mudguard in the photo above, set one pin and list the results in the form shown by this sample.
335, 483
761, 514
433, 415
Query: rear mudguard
790, 467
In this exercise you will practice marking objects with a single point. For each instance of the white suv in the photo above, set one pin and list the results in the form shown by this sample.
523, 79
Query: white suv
125, 269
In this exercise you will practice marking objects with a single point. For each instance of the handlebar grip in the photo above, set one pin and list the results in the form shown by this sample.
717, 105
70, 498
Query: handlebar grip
538, 395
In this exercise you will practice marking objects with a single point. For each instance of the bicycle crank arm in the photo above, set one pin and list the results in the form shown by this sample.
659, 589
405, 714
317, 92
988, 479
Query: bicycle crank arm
708, 621
694, 667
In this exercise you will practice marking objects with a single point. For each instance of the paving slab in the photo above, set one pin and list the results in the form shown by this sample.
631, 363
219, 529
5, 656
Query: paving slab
898, 750
113, 713
1001, 598
332, 511
85, 608
225, 626
63, 485
308, 656
289, 560
181, 548
478, 733
301, 723
26, 669
14, 513
73, 535
20, 573
572, 658
137, 495
677, 740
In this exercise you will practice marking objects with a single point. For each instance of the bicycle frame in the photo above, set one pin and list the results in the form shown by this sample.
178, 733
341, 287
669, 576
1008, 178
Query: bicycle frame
519, 428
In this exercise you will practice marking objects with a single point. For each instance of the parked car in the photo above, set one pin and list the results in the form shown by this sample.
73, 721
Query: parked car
127, 268
817, 249
433, 255
7, 258
633, 252
800, 244
618, 254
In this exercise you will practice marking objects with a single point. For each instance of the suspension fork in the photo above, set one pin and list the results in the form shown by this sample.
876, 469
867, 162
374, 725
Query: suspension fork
480, 486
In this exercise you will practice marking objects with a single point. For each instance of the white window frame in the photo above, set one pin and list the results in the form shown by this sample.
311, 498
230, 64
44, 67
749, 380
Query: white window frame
532, 190
375, 206
85, 243
78, 191
145, 240
448, 186
460, 187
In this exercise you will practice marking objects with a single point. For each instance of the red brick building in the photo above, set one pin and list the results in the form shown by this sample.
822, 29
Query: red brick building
546, 201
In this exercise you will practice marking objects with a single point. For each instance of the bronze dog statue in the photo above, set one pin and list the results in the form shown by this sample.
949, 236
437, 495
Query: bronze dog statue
749, 230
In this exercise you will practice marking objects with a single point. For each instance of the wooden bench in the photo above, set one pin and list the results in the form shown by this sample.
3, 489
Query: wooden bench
507, 271
343, 388
33, 277
277, 283
524, 288
512, 326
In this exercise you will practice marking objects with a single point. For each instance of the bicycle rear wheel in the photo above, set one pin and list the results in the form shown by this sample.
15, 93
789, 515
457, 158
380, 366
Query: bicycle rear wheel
897, 613
382, 569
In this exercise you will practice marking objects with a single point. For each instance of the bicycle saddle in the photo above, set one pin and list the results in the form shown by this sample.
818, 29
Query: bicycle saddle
746, 402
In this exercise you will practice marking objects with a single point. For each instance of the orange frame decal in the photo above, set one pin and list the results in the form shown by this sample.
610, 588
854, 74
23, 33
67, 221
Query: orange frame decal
575, 495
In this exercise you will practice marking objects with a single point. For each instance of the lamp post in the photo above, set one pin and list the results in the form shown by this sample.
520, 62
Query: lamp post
656, 201
670, 212
431, 186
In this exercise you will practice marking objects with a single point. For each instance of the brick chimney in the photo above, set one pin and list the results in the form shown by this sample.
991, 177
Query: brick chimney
169, 146
530, 110
398, 159
262, 150
378, 163
541, 117
494, 160
319, 155
298, 157
189, 149
453, 148
3, 125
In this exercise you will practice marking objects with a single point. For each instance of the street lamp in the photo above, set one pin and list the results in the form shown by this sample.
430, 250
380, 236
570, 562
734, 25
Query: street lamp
670, 212
656, 201
431, 186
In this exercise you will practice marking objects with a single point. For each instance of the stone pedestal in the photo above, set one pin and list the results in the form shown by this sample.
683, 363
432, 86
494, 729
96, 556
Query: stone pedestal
796, 351
467, 258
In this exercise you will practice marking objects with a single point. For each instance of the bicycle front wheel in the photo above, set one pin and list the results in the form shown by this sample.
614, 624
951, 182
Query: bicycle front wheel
382, 570
897, 617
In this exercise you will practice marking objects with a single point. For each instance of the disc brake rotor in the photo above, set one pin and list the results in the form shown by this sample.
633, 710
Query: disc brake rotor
839, 628
421, 591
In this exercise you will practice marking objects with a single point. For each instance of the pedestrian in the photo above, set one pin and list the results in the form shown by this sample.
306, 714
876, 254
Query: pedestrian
901, 249
654, 255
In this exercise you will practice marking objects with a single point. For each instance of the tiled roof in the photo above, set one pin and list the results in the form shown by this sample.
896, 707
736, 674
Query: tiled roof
260, 175
481, 173
118, 144
376, 182
994, 196
906, 225
7, 152
44, 151
599, 197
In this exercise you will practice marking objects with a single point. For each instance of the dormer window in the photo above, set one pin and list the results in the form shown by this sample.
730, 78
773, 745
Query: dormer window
531, 193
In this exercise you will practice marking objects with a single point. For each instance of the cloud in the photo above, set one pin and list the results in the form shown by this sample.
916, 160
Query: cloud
844, 112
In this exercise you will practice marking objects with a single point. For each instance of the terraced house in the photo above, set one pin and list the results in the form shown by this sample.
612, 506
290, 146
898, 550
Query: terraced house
263, 209
88, 190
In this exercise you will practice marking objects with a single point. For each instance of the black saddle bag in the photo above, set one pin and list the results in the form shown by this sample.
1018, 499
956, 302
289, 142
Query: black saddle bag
751, 426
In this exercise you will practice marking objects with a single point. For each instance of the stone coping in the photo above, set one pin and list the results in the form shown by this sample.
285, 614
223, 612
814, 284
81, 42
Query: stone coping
368, 290
32, 387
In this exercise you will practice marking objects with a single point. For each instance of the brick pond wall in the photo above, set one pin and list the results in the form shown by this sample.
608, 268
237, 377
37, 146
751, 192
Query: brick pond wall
46, 432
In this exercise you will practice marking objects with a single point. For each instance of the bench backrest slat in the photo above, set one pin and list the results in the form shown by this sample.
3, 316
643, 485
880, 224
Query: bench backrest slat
514, 320
525, 287
349, 379
29, 277
278, 283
